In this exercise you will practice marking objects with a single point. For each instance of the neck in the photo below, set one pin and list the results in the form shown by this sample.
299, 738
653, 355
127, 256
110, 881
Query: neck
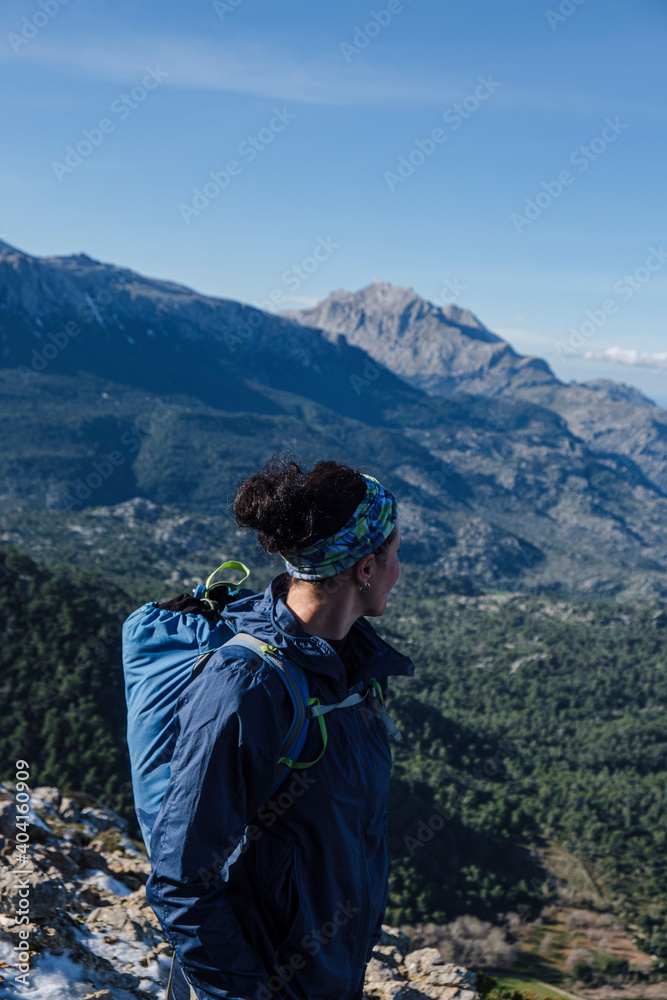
322, 613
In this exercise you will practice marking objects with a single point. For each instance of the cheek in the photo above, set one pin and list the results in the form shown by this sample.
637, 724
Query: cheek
394, 572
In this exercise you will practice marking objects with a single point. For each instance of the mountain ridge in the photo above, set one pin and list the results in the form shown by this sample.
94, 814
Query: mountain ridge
418, 341
66, 314
495, 488
438, 349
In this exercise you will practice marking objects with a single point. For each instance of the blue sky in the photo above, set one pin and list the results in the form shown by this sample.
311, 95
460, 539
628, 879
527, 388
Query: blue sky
305, 111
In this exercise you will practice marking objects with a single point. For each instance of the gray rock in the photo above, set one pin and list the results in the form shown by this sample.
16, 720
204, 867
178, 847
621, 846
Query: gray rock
118, 941
438, 349
47, 895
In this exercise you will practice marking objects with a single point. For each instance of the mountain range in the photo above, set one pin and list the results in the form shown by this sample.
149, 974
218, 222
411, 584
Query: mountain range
118, 389
445, 351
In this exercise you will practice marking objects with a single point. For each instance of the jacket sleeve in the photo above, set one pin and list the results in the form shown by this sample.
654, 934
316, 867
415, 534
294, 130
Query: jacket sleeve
230, 721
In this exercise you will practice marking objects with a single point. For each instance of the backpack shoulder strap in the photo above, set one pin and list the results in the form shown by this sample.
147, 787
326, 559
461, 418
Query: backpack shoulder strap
377, 708
201, 662
295, 681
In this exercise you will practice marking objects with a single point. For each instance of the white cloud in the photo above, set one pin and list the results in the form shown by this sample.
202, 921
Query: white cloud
622, 356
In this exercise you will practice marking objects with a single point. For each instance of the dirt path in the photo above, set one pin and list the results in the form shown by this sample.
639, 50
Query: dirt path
557, 989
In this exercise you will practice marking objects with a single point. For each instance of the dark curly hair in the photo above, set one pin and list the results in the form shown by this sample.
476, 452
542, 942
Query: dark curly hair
290, 509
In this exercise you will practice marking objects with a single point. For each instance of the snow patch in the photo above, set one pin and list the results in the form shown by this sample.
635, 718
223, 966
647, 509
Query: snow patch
95, 310
101, 880
51, 977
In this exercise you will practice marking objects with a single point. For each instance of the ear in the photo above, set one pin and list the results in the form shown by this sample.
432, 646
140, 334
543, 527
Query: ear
364, 569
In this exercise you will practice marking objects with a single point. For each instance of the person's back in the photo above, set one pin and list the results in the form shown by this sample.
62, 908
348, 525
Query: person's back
299, 910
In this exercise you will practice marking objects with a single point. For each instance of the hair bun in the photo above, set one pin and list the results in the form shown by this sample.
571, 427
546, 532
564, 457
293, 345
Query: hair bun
289, 508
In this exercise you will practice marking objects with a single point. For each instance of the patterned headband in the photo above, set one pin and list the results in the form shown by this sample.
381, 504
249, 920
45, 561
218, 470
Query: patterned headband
371, 523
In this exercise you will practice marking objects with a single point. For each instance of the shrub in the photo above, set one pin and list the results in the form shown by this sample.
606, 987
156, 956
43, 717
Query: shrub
583, 972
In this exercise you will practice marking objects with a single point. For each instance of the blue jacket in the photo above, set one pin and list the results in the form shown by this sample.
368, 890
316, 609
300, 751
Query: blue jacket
297, 911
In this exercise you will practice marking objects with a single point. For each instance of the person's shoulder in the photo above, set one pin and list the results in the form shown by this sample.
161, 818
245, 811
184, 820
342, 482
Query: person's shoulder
237, 683
238, 664
239, 672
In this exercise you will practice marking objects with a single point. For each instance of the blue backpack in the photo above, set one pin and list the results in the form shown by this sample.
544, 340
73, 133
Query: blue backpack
164, 647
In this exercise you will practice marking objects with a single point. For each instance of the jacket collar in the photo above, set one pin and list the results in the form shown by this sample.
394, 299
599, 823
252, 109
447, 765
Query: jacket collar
266, 616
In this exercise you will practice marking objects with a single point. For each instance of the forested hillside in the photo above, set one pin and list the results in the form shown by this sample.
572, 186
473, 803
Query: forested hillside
63, 707
538, 722
533, 726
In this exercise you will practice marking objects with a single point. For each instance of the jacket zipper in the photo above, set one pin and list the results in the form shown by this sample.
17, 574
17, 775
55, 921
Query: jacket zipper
367, 818
337, 657
365, 912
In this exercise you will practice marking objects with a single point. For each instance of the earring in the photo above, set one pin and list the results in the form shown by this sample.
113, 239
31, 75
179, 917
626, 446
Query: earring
366, 587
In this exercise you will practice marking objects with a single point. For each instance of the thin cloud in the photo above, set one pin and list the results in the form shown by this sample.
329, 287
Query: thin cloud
264, 70
622, 356
202, 64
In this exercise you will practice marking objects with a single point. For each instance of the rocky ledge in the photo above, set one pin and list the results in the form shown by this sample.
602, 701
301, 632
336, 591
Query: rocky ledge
399, 972
92, 935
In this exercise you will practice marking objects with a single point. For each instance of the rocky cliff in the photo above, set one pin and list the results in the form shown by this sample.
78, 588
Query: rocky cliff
437, 349
91, 934
447, 350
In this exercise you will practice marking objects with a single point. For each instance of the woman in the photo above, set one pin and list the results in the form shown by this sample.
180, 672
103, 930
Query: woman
296, 913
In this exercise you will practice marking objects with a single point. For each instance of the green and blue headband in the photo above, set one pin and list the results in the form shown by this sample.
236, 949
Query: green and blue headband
372, 522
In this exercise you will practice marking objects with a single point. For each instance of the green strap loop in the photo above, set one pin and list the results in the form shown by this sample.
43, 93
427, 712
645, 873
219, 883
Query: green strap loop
231, 564
378, 688
322, 724
323, 730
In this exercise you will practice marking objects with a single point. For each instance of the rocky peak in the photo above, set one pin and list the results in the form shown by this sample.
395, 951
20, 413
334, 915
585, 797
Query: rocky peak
94, 936
379, 302
436, 348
